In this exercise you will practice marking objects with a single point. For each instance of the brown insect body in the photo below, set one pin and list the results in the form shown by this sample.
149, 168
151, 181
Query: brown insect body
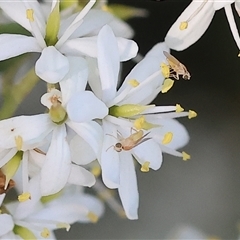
130, 142
177, 67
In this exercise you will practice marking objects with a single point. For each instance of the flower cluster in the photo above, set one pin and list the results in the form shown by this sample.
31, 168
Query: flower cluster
94, 126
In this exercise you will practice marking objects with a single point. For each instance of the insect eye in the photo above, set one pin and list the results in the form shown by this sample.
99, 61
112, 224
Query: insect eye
118, 147
186, 77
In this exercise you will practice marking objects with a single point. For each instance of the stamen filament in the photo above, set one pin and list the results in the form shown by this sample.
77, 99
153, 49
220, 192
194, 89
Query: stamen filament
184, 24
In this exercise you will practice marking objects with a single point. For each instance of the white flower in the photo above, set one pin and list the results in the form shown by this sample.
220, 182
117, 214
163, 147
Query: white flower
19, 136
66, 107
38, 217
194, 21
53, 40
139, 88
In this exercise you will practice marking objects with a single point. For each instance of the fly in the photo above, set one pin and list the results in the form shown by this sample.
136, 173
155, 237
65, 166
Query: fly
130, 142
177, 67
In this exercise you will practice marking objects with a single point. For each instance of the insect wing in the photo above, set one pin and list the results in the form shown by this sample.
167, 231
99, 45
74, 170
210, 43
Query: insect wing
142, 139
171, 59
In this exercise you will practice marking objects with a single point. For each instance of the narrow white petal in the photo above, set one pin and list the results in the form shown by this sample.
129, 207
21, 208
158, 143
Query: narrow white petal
81, 176
6, 223
12, 45
57, 167
109, 160
128, 189
52, 66
81, 152
90, 132
75, 80
181, 39
149, 151
108, 62
84, 106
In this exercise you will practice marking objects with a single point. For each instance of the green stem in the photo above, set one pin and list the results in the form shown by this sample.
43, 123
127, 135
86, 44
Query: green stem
17, 94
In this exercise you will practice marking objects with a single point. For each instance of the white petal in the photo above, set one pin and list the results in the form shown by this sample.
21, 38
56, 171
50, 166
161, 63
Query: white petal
52, 66
81, 176
128, 189
17, 11
121, 28
32, 130
84, 106
81, 152
141, 72
75, 80
181, 39
25, 209
6, 155
92, 23
12, 45
127, 49
108, 62
93, 205
109, 160
149, 151
57, 167
6, 223
180, 134
94, 78
86, 46
218, 4
91, 132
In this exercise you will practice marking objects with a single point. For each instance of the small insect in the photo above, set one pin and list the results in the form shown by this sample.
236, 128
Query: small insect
130, 142
177, 67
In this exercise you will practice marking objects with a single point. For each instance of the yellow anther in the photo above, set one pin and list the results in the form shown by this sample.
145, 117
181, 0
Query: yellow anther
141, 123
45, 233
165, 70
133, 82
167, 85
138, 123
29, 13
183, 25
167, 138
19, 142
145, 167
239, 55
179, 108
192, 114
96, 171
24, 197
64, 225
92, 217
185, 156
